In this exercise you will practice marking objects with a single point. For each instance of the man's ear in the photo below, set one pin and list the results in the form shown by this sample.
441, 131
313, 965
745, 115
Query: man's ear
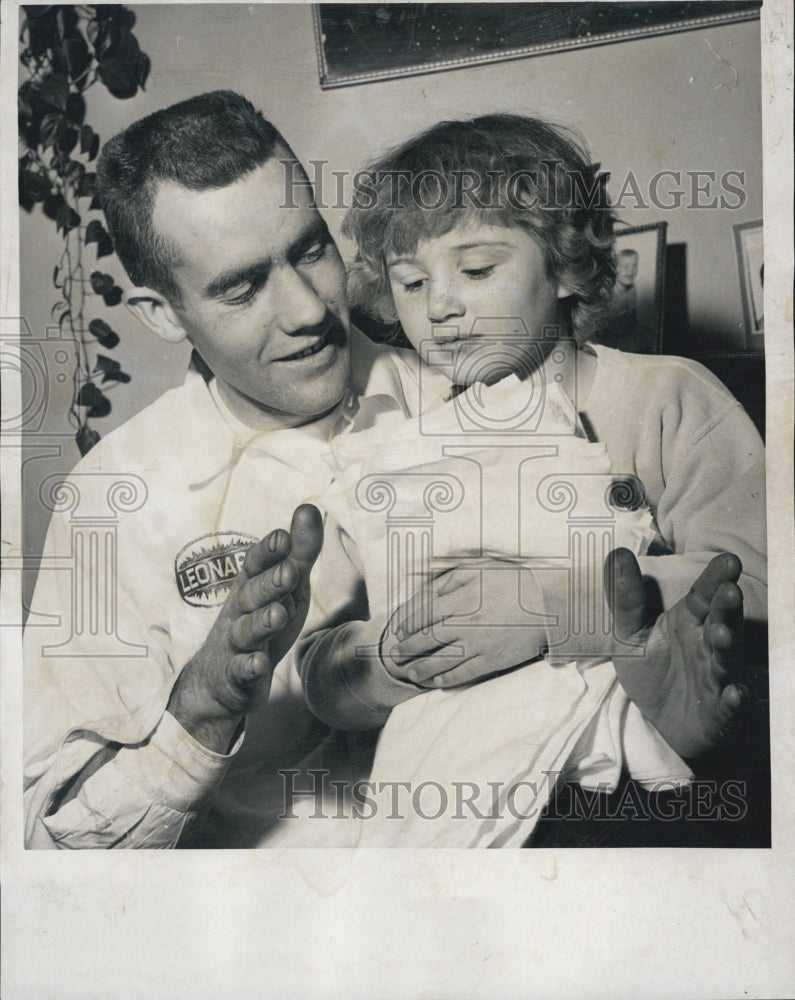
155, 311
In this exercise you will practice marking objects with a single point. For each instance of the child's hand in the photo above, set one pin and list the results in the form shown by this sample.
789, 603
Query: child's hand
423, 646
688, 684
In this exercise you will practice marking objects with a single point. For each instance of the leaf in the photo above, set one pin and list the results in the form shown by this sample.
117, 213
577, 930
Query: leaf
66, 219
117, 376
104, 334
52, 127
86, 438
76, 109
94, 398
25, 102
110, 370
37, 186
86, 138
54, 91
94, 232
107, 365
122, 18
40, 28
142, 68
95, 204
52, 204
119, 77
105, 249
66, 22
67, 140
118, 67
113, 297
74, 173
78, 58
87, 187
101, 283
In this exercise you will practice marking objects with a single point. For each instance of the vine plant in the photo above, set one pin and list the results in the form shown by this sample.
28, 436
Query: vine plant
65, 51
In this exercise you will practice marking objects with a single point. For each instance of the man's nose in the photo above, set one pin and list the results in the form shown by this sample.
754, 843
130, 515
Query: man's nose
301, 307
443, 303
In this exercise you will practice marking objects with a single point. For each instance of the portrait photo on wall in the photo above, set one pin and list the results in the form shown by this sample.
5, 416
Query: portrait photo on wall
749, 244
636, 321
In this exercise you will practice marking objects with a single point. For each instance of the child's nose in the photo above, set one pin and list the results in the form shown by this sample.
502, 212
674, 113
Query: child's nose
443, 303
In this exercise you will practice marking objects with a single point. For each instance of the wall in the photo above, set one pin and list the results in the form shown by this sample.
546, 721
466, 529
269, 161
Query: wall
683, 102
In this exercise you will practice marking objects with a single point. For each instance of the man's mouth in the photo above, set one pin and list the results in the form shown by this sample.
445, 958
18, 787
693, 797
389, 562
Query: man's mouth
308, 352
335, 336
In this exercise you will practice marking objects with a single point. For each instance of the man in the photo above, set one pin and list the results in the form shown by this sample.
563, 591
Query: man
184, 698
123, 744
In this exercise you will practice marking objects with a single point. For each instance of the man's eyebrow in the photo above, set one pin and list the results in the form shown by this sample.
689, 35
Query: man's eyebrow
258, 272
317, 232
248, 275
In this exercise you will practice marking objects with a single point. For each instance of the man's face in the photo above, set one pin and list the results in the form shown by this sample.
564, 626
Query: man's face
263, 294
483, 294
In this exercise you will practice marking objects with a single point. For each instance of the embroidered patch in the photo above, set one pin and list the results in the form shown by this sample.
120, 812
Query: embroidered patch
207, 566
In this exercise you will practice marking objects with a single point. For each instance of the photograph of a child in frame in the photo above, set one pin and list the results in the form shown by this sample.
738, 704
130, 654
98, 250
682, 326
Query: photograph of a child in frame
276, 368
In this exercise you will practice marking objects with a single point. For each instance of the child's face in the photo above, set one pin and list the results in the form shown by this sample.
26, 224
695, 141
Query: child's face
483, 295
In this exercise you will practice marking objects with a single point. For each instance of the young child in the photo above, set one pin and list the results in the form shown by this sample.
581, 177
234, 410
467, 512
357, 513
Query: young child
490, 242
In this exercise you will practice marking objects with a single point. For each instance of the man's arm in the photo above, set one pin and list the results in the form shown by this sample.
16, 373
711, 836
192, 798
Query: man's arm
687, 678
99, 779
230, 675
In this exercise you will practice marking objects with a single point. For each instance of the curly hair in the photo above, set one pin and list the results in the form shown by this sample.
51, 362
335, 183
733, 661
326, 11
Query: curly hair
499, 169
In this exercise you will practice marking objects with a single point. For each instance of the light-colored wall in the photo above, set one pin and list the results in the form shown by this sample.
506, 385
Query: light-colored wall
682, 102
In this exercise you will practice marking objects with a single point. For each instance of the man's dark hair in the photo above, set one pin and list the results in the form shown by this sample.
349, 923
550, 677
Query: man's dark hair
206, 142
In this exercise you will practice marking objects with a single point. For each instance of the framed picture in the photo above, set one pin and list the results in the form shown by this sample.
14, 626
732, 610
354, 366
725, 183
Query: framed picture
363, 42
637, 319
749, 244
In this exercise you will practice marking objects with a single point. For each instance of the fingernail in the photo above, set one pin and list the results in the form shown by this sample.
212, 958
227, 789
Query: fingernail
266, 617
273, 541
277, 574
412, 675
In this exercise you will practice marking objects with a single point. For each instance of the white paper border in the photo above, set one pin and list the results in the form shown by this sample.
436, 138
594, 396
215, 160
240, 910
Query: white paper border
409, 924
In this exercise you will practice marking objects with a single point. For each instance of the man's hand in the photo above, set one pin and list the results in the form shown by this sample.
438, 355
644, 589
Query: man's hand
687, 682
262, 617
492, 631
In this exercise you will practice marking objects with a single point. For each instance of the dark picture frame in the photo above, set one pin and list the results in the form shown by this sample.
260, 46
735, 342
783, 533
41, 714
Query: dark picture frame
363, 43
749, 247
636, 323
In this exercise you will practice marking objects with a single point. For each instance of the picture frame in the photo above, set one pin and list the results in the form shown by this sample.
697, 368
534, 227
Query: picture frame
364, 43
749, 246
636, 322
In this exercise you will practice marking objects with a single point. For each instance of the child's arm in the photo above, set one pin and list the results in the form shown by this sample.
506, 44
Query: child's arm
354, 672
703, 465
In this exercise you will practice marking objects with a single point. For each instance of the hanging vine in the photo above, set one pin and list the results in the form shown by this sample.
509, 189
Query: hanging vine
65, 51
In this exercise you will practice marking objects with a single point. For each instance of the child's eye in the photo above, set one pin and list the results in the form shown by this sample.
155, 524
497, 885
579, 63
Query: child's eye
413, 286
478, 273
